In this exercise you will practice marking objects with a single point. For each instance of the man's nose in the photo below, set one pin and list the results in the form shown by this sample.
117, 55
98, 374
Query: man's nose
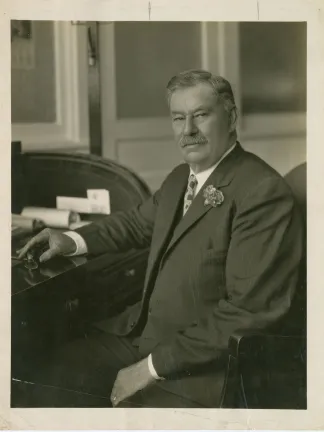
189, 126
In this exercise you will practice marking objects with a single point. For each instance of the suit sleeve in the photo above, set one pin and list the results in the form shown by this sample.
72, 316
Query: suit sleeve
122, 231
262, 269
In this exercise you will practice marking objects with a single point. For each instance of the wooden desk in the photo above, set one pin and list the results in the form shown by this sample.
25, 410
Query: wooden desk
61, 298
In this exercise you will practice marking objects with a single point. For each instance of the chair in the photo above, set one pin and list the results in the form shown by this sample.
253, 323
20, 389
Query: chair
269, 371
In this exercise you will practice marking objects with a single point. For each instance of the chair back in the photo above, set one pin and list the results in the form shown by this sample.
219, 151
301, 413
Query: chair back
297, 181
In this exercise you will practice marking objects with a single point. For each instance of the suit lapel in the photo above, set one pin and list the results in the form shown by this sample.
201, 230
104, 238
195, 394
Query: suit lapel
172, 204
219, 178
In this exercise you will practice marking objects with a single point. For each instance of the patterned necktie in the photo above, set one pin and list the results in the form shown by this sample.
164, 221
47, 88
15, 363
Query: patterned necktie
190, 192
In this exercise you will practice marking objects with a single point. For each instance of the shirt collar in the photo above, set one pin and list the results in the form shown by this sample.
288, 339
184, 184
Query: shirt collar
203, 175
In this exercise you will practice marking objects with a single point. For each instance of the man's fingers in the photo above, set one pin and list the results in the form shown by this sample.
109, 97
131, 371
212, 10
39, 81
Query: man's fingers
119, 396
49, 254
39, 238
115, 400
114, 395
22, 252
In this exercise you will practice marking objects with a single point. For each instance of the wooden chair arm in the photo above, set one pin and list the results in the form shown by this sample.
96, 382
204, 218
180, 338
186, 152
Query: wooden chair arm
265, 371
248, 345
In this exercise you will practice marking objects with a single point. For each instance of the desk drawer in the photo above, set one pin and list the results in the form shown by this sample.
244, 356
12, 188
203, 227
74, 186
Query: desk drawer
111, 289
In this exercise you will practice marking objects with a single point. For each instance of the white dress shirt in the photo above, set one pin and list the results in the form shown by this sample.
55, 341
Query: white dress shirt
81, 247
203, 175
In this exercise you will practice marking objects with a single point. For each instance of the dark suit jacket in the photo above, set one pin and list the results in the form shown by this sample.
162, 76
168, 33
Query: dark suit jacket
213, 272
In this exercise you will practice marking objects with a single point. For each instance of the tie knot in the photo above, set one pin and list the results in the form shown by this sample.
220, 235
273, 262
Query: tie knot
192, 181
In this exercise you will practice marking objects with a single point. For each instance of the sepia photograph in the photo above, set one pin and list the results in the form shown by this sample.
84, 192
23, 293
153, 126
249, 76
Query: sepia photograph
158, 214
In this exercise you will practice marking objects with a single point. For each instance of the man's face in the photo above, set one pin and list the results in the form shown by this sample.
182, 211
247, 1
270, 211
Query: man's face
201, 125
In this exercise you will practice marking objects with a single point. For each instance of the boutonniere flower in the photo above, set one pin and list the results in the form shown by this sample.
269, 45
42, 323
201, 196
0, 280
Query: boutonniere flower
213, 196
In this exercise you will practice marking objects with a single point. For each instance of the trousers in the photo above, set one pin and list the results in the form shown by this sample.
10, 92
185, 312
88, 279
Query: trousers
82, 373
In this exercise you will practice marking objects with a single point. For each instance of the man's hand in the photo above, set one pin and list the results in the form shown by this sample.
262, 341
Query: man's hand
130, 380
59, 244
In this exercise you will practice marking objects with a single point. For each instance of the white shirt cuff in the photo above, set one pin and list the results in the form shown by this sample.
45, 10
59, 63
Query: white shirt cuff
152, 369
81, 246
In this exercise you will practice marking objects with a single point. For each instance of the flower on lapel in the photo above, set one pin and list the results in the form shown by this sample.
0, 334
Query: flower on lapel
213, 196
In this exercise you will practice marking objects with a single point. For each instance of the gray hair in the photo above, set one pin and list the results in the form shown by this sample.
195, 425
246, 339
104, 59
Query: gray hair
221, 87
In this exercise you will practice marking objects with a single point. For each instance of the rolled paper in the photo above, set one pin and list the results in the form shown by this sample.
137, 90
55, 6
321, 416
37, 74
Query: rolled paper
26, 223
51, 217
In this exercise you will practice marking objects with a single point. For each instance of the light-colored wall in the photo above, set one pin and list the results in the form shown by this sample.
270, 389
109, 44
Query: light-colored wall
159, 157
143, 56
146, 55
283, 154
49, 88
33, 88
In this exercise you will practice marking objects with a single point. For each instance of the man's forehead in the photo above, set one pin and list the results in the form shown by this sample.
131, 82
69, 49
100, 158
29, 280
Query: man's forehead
193, 97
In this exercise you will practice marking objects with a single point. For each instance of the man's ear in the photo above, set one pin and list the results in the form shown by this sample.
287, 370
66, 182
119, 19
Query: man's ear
232, 119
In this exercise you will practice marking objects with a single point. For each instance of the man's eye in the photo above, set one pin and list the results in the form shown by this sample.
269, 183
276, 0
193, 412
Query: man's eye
178, 118
199, 115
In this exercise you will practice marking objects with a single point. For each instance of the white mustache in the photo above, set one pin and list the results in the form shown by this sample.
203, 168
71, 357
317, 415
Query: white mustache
189, 140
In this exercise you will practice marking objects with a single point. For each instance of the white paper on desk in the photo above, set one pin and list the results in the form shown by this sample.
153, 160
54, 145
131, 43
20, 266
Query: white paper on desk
52, 217
100, 200
79, 205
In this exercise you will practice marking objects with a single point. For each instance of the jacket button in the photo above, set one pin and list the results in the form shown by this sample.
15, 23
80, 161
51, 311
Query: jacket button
132, 324
150, 311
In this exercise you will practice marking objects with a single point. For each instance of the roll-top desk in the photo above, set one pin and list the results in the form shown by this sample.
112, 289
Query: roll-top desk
57, 301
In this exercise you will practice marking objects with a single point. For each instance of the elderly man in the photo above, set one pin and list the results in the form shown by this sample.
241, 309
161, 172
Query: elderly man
225, 247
